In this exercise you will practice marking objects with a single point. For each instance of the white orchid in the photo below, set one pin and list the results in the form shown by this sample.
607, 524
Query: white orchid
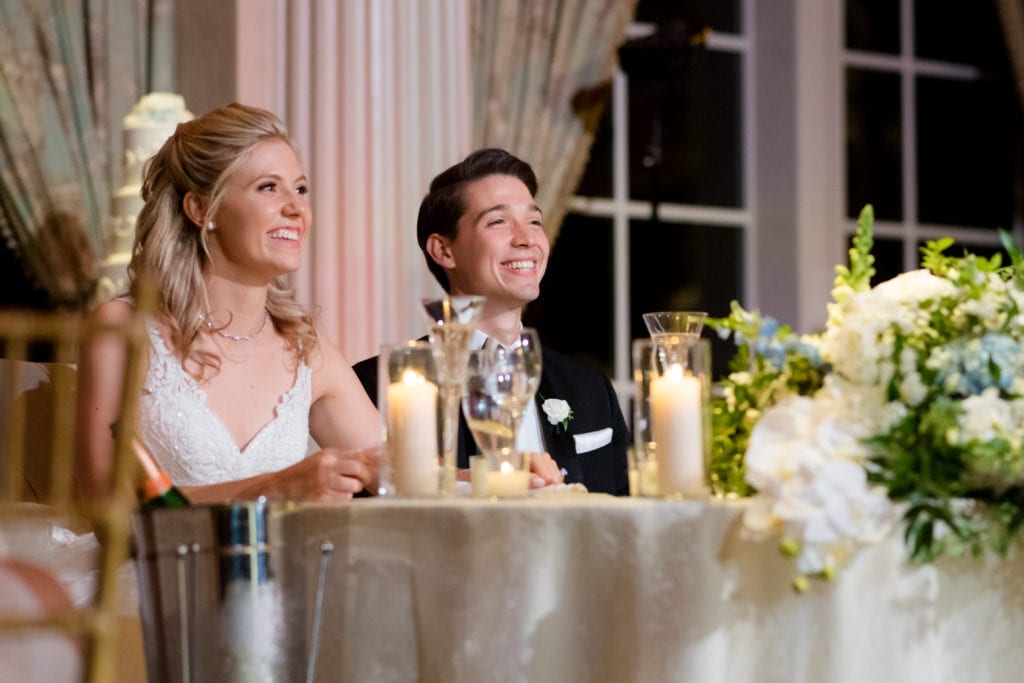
806, 459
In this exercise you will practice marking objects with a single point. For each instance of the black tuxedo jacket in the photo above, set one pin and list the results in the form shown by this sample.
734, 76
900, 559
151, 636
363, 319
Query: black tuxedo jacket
580, 450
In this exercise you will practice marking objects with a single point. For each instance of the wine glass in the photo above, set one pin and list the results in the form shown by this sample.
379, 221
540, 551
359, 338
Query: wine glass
517, 370
482, 404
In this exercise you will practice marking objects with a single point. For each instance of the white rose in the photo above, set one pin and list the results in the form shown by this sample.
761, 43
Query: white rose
557, 410
917, 285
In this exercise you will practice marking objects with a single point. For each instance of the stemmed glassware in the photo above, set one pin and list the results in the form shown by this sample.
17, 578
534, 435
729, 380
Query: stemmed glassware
452, 320
500, 383
482, 400
517, 370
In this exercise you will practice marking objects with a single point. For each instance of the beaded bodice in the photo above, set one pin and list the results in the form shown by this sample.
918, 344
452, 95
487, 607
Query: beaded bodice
192, 443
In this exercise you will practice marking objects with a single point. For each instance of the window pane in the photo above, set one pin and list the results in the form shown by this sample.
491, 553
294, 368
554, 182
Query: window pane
574, 312
965, 155
952, 31
873, 25
720, 15
597, 177
693, 116
873, 156
676, 267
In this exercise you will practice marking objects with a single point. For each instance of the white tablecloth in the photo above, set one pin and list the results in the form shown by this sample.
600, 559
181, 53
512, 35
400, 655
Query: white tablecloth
593, 588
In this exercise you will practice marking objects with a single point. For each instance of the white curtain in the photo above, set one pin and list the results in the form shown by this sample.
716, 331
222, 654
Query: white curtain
377, 94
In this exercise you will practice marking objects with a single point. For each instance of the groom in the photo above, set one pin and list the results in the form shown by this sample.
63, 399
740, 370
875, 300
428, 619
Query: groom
482, 233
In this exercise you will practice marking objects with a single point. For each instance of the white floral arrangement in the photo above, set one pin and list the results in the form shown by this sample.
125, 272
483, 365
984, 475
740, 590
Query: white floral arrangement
910, 403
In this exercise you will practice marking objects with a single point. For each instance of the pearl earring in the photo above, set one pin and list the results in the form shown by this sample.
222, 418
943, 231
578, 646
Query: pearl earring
209, 226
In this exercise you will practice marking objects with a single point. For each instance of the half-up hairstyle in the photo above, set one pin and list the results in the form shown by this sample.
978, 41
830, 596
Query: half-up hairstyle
171, 250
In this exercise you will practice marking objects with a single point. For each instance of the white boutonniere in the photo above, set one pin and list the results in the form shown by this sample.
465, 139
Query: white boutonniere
558, 412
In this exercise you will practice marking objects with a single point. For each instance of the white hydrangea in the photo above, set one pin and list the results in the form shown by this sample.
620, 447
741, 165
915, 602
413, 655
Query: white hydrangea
913, 389
859, 338
985, 417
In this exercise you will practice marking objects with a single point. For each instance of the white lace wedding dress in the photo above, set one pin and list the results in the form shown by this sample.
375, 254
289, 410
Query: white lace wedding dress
191, 442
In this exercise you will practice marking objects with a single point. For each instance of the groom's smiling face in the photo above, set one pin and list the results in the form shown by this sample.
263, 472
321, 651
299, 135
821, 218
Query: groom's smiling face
500, 250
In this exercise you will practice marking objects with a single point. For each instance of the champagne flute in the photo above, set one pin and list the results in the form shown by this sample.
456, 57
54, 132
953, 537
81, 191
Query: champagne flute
451, 321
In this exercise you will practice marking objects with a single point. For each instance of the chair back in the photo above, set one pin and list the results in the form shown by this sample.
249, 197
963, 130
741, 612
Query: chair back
37, 432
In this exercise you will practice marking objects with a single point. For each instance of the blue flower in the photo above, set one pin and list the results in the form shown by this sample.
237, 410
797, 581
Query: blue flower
977, 364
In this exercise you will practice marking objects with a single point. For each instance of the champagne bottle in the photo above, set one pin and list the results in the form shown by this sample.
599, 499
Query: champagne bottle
157, 491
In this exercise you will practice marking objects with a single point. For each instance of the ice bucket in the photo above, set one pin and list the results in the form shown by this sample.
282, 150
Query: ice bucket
223, 597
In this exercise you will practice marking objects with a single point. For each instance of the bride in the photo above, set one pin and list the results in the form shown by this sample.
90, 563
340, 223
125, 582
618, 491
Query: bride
238, 377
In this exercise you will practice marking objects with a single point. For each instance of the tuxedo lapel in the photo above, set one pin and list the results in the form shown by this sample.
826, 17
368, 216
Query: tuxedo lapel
559, 443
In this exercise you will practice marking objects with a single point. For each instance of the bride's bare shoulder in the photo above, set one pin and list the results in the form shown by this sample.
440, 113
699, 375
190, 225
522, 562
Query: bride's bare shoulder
111, 312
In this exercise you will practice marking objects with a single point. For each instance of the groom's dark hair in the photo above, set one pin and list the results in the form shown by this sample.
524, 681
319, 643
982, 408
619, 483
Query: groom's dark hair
444, 204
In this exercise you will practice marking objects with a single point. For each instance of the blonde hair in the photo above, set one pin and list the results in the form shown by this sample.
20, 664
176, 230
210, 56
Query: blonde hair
171, 250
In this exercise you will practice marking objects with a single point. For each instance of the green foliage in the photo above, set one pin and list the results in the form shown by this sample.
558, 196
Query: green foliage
771, 362
1016, 258
862, 263
932, 256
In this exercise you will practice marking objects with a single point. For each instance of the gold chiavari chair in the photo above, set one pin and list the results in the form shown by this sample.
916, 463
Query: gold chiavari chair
37, 432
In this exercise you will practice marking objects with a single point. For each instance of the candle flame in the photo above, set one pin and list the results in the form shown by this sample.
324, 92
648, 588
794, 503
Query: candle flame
675, 371
506, 468
412, 378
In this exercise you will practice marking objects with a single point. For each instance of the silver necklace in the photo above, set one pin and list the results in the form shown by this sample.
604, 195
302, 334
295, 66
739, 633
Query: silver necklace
240, 337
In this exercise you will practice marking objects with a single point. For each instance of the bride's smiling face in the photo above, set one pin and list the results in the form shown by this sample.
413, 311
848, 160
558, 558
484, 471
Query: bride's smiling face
263, 219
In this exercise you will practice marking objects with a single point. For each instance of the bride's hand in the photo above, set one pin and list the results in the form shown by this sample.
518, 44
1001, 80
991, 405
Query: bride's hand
332, 474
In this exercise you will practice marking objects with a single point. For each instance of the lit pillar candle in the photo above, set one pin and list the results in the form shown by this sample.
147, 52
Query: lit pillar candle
412, 434
508, 482
677, 425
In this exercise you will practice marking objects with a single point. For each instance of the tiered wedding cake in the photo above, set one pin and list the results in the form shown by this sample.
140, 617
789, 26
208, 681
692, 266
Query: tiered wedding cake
151, 121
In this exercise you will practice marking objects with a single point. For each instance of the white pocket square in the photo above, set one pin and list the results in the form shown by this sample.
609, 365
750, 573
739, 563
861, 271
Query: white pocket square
591, 441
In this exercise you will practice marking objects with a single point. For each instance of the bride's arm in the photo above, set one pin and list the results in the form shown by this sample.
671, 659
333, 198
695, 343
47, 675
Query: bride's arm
327, 476
101, 368
342, 418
